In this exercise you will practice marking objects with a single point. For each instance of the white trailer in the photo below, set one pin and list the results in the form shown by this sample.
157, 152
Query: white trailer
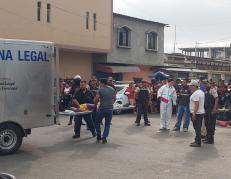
28, 90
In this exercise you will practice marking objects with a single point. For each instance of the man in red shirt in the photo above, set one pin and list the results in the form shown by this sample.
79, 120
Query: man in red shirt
131, 94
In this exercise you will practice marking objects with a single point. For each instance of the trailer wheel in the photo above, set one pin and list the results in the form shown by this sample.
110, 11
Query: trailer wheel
10, 139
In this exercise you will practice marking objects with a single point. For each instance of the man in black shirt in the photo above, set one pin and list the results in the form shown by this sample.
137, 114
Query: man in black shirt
183, 107
142, 95
75, 87
211, 105
110, 82
83, 96
94, 88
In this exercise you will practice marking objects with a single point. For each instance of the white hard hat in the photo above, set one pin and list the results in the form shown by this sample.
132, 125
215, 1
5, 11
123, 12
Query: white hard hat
77, 77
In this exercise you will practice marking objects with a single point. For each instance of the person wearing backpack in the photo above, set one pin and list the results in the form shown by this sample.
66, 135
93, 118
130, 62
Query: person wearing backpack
211, 106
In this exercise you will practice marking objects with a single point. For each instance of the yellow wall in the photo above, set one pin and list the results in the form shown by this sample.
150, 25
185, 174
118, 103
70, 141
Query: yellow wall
75, 63
18, 19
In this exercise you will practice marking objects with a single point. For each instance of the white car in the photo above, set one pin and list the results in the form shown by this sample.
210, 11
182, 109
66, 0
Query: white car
122, 102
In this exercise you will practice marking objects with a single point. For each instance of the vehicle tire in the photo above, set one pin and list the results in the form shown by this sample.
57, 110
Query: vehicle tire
118, 111
6, 176
10, 139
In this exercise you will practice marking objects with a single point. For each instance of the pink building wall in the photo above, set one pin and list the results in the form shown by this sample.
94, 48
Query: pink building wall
144, 73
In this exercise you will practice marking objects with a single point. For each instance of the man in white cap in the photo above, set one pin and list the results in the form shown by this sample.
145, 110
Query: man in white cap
196, 106
167, 96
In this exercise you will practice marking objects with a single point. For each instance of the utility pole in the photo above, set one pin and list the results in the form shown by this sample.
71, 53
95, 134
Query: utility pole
174, 49
196, 54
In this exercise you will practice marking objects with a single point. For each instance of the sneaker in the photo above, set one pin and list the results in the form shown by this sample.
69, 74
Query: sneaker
99, 137
185, 129
137, 124
162, 129
147, 124
75, 136
94, 135
104, 141
194, 144
176, 129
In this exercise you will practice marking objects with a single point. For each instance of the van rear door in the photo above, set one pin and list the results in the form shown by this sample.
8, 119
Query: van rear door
29, 83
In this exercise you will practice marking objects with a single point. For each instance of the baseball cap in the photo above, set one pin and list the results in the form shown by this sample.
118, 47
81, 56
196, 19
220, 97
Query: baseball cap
193, 83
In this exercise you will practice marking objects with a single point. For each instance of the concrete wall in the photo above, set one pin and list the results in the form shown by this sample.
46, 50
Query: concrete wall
73, 63
67, 28
137, 54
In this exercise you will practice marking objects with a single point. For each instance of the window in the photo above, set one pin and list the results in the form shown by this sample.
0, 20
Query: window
87, 20
48, 12
38, 10
216, 77
94, 19
152, 39
124, 37
183, 75
227, 78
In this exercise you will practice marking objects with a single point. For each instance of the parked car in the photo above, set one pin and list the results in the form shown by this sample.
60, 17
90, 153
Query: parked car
122, 102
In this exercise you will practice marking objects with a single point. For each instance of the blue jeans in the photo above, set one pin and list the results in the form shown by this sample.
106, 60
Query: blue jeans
107, 114
181, 111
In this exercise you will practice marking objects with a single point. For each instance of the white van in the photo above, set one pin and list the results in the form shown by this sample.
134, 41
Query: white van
28, 90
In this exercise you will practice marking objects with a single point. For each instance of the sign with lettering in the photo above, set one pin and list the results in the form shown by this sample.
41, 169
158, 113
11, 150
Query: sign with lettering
23, 56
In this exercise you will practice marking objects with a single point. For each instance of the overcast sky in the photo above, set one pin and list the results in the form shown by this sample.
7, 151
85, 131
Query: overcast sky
203, 21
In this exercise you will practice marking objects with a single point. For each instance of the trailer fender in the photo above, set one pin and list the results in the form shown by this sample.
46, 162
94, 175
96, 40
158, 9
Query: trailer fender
24, 133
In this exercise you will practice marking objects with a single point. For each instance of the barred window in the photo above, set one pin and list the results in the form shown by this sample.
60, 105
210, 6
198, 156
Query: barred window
124, 37
152, 40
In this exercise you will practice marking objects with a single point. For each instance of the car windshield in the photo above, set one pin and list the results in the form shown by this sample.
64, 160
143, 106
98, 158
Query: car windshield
119, 88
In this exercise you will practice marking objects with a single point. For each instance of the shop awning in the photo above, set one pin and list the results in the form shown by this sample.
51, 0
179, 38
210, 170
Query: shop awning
185, 70
117, 69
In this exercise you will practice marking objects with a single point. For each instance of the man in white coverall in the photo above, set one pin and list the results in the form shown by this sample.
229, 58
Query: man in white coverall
167, 96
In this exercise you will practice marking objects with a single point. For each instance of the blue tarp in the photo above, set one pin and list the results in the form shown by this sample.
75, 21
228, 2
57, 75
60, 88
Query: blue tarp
159, 76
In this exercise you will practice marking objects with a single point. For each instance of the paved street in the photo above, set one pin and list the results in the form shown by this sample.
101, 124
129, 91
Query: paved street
131, 153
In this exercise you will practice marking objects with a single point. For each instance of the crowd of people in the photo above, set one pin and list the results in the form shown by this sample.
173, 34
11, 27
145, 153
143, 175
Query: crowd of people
78, 92
195, 100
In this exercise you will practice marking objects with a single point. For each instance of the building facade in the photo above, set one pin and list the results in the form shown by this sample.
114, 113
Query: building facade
79, 28
137, 46
208, 62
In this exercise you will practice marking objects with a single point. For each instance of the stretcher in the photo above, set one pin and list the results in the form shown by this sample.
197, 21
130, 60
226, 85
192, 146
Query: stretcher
73, 113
